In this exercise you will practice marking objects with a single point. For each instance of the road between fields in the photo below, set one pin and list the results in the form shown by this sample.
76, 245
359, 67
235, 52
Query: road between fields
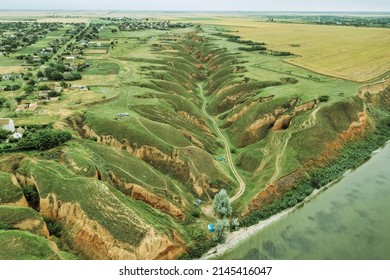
227, 148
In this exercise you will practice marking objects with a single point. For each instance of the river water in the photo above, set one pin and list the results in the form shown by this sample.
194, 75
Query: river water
349, 220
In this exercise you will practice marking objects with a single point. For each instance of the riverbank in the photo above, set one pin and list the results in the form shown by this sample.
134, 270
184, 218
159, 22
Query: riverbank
242, 234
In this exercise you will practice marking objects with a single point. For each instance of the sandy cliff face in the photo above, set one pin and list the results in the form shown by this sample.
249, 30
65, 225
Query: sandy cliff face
195, 121
306, 106
245, 109
139, 193
283, 122
22, 201
95, 242
33, 225
265, 122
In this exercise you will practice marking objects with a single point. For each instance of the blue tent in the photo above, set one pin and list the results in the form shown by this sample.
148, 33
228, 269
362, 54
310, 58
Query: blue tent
198, 202
211, 227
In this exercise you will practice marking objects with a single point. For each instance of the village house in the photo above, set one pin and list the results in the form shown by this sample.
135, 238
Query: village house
18, 134
7, 124
7, 77
43, 94
69, 60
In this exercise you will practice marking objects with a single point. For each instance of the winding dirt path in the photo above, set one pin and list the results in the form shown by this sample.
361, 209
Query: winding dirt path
308, 123
278, 159
227, 148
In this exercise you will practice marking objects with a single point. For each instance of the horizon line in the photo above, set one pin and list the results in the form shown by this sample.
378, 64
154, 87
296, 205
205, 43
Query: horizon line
248, 11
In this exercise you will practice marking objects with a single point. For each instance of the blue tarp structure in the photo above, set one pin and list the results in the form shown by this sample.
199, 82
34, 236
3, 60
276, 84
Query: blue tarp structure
198, 202
211, 227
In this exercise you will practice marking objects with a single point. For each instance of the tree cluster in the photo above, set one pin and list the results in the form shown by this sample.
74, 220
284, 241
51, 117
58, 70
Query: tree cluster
222, 208
44, 139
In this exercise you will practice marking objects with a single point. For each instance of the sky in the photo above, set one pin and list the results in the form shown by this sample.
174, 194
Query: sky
200, 5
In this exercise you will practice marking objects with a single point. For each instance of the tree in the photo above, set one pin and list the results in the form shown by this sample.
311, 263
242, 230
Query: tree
55, 76
323, 98
234, 224
221, 204
44, 139
220, 230
43, 87
64, 84
28, 89
40, 74
4, 134
72, 76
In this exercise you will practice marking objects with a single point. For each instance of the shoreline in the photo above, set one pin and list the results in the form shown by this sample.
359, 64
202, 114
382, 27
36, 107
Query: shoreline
234, 238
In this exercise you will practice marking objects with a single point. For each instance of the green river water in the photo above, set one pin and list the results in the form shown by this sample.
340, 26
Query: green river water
349, 220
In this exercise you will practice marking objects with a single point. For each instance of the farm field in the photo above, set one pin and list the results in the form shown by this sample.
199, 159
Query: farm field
133, 127
357, 54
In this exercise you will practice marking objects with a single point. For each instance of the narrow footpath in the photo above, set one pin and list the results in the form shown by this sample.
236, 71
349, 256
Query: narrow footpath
227, 148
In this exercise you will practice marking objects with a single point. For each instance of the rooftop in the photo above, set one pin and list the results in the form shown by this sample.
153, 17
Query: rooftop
4, 121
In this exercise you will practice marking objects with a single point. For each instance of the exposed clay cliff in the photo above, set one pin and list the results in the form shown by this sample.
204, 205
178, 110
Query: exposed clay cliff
96, 242
331, 150
139, 193
306, 106
195, 121
178, 167
35, 226
22, 201
283, 122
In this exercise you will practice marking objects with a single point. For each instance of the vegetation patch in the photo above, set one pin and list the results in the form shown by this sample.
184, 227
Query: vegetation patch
20, 245
9, 192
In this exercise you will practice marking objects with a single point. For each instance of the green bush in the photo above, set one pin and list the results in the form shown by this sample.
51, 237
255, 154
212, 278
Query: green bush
4, 134
323, 98
12, 88
197, 249
5, 226
32, 196
54, 227
44, 139
195, 213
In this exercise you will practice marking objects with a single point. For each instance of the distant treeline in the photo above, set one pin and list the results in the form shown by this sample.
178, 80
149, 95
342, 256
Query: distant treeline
252, 46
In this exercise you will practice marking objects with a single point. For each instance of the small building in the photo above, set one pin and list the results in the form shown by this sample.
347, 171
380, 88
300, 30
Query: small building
69, 60
17, 135
198, 202
43, 94
123, 114
7, 124
211, 228
7, 77
83, 42
21, 130
79, 87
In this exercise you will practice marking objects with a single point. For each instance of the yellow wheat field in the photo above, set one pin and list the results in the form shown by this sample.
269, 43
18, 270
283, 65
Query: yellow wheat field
358, 54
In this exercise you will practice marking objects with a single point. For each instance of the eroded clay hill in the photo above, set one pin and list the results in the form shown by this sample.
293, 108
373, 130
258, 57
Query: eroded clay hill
125, 186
